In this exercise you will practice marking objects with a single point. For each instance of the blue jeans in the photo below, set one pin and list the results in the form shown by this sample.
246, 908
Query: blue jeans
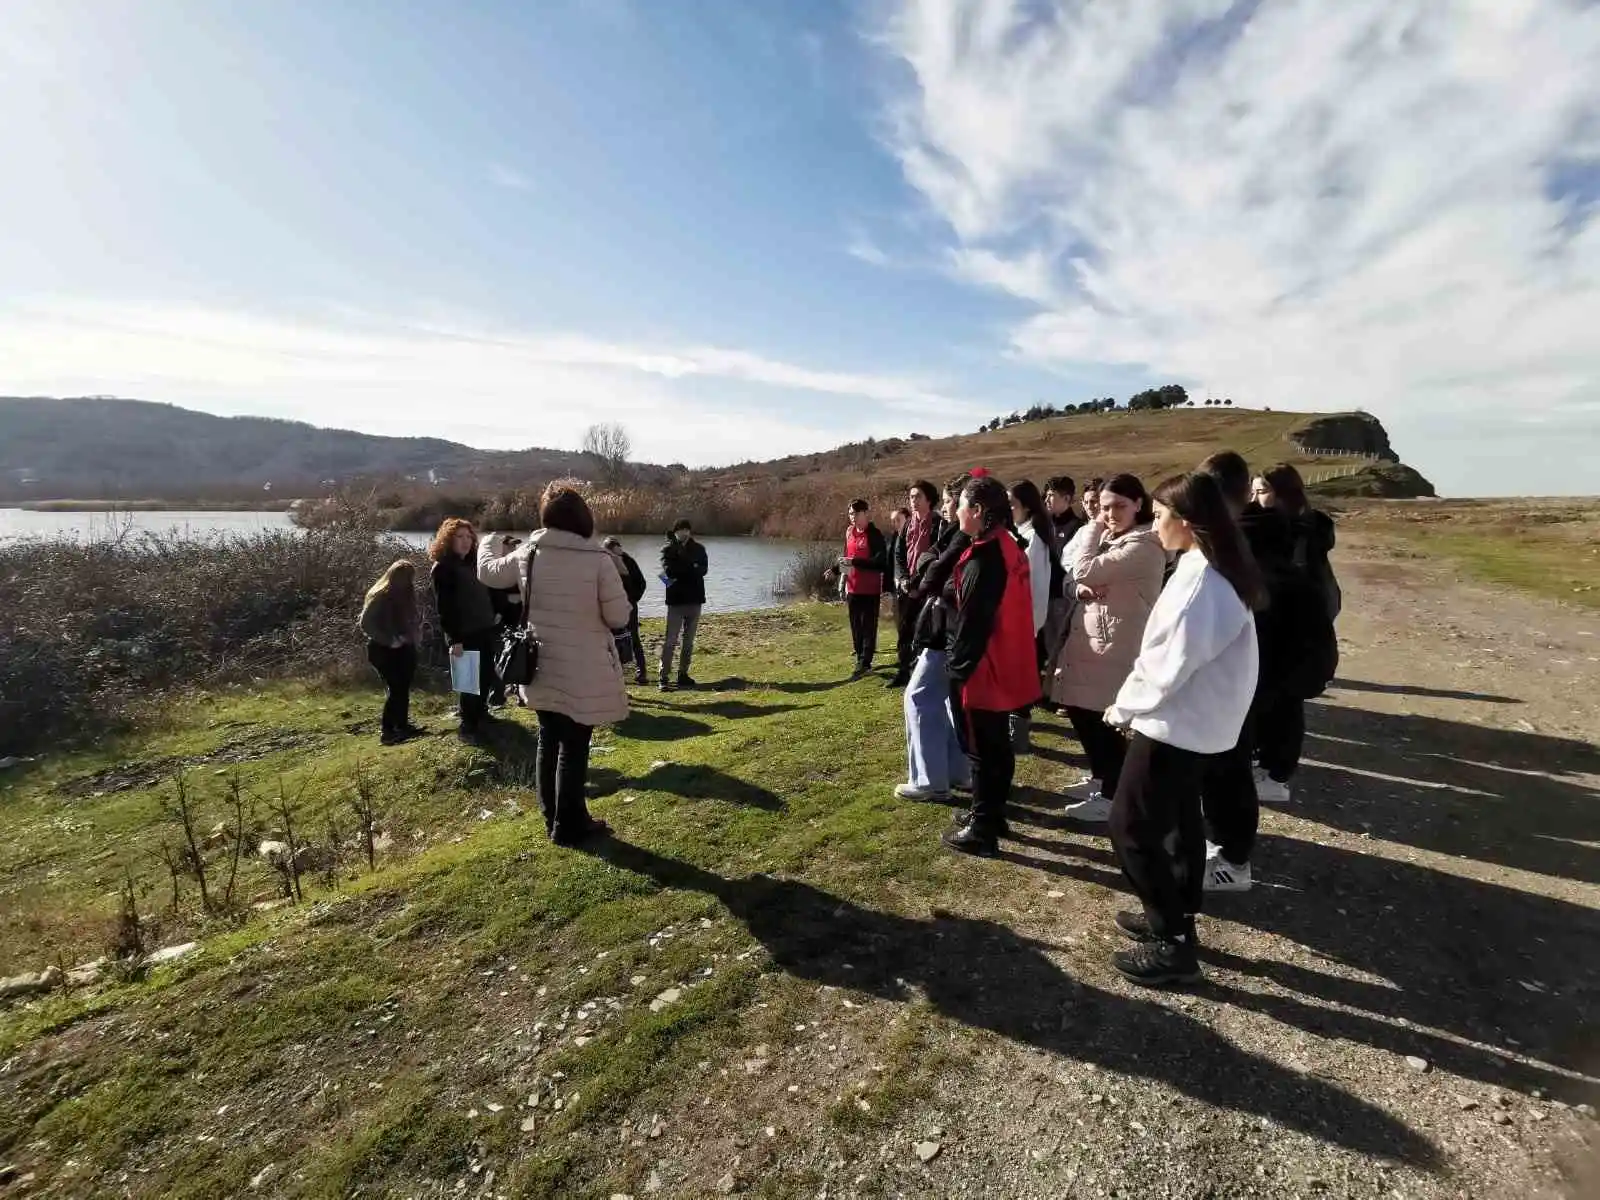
933, 752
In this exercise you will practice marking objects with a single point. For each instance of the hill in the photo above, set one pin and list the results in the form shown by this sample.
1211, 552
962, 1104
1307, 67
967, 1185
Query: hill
134, 450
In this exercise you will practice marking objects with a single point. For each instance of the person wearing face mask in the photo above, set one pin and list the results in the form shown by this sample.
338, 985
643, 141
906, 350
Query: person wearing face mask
992, 664
865, 562
683, 569
1118, 573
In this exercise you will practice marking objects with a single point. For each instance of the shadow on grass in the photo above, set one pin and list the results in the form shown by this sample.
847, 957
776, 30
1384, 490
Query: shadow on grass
693, 781
740, 710
986, 976
660, 727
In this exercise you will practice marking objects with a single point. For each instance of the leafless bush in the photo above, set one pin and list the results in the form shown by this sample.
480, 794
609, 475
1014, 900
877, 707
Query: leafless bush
364, 803
609, 445
242, 806
289, 863
127, 929
179, 810
811, 575
89, 630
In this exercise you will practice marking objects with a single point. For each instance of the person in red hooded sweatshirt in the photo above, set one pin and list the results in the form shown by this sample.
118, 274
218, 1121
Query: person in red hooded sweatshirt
994, 669
865, 561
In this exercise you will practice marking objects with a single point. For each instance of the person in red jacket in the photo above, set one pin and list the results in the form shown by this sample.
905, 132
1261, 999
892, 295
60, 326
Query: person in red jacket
865, 561
993, 667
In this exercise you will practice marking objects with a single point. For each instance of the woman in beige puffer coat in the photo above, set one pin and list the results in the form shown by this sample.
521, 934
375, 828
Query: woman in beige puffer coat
575, 600
1118, 574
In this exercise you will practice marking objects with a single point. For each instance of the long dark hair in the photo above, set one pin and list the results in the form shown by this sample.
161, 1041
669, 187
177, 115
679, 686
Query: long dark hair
1025, 493
1131, 487
1288, 488
988, 495
1197, 498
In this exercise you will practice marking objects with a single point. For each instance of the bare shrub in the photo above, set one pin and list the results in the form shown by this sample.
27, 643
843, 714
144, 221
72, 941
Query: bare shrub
179, 810
811, 575
609, 445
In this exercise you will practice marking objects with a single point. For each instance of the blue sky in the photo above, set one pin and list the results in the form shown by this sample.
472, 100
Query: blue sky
747, 229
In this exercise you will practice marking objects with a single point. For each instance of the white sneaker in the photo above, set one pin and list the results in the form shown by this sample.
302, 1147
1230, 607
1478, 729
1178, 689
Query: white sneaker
1096, 810
1224, 876
1082, 789
910, 791
1269, 790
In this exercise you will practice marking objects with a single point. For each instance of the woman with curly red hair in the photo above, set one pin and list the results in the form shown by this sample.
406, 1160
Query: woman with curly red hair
466, 613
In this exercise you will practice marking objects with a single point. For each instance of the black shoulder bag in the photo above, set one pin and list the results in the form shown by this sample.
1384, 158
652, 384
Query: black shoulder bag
518, 662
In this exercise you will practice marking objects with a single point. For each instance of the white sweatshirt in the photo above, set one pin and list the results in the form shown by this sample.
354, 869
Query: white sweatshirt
1069, 557
1038, 574
1196, 673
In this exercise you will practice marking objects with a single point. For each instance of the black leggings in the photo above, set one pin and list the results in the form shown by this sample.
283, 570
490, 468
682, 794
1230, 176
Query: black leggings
563, 773
864, 627
1280, 733
1157, 832
472, 709
994, 764
1105, 747
397, 667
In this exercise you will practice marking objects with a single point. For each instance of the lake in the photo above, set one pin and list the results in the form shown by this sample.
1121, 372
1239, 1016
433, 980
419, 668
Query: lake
743, 570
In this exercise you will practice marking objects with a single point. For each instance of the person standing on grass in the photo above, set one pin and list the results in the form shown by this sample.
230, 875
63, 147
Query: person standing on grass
683, 569
633, 583
574, 597
466, 614
1118, 574
1184, 701
507, 612
1066, 518
898, 577
936, 758
865, 562
992, 665
389, 619
1296, 651
921, 533
1036, 534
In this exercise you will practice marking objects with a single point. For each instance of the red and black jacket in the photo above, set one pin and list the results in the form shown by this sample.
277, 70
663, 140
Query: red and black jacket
992, 654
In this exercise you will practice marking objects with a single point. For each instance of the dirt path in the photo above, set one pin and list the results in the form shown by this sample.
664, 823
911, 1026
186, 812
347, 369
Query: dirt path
1404, 1007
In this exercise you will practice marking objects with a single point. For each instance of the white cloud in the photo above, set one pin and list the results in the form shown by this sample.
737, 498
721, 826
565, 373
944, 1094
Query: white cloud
509, 177
388, 376
863, 247
1325, 204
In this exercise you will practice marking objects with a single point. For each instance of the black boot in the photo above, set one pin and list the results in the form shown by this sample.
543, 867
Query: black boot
1152, 963
971, 838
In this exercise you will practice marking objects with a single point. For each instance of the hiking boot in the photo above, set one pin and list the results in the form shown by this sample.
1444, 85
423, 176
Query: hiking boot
900, 680
1224, 876
910, 791
640, 679
666, 685
414, 731
1270, 790
1096, 810
1153, 963
686, 683
964, 817
1133, 924
970, 840
390, 738
572, 834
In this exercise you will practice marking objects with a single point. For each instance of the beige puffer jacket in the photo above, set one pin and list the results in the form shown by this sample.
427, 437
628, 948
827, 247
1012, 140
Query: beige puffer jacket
1103, 643
577, 601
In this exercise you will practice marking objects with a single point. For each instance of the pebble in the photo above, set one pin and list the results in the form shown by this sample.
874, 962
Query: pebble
1502, 1118
263, 1177
670, 996
928, 1151
529, 1124
727, 1184
1466, 1103
1419, 1065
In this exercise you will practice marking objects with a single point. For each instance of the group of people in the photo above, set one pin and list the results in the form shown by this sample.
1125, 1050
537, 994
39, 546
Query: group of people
1180, 632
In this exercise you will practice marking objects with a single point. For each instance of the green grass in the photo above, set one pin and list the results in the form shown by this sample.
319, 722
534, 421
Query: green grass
1548, 547
353, 1035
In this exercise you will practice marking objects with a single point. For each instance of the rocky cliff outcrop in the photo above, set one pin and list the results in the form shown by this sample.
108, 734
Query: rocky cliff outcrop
1359, 433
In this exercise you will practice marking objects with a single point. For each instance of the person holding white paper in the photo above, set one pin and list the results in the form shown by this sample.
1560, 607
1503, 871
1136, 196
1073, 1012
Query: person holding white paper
466, 614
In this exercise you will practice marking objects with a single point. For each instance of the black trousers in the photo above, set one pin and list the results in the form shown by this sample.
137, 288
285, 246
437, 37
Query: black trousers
1280, 733
994, 763
472, 709
1104, 746
1157, 833
639, 667
864, 627
563, 773
906, 611
1229, 802
397, 667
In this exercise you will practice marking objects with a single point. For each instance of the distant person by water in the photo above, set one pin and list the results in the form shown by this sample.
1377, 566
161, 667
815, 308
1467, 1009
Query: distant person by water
633, 583
466, 614
575, 597
393, 627
684, 567
992, 663
865, 562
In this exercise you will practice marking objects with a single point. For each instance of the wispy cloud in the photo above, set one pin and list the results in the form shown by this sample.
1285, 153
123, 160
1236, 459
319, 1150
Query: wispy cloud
509, 177
1305, 204
395, 376
864, 248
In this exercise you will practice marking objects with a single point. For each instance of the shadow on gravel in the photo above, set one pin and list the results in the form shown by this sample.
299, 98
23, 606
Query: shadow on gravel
1409, 689
986, 976
1519, 799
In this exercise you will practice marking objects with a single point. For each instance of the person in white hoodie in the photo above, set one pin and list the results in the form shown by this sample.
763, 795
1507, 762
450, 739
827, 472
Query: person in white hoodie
1183, 703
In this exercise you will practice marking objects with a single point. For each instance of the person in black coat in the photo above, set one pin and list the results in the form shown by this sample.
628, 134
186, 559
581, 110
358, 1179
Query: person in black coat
684, 566
633, 582
1311, 529
466, 613
508, 612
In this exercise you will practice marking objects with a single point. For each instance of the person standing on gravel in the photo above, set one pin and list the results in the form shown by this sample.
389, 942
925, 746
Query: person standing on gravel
1184, 703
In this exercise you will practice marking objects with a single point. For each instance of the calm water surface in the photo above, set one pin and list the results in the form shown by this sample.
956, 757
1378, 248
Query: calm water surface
743, 570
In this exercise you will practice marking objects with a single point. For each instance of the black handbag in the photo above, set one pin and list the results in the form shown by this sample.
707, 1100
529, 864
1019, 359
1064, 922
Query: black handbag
518, 662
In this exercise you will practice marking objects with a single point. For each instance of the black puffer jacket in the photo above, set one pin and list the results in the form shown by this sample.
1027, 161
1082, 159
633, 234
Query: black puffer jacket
465, 607
935, 586
685, 566
1294, 633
